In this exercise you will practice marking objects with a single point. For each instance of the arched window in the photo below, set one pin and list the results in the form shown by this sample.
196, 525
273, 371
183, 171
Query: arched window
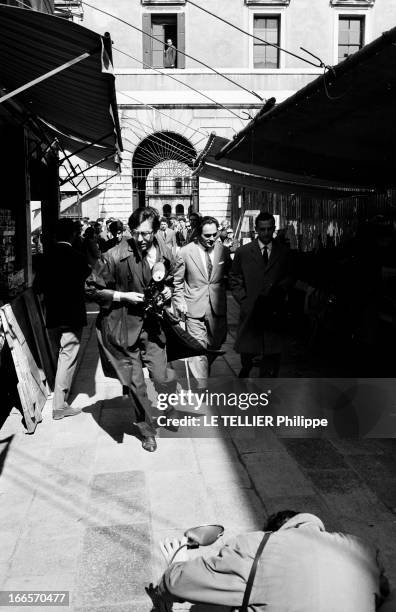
179, 209
167, 210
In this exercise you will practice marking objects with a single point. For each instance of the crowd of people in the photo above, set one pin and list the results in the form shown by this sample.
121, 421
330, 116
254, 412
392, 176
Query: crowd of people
201, 260
192, 265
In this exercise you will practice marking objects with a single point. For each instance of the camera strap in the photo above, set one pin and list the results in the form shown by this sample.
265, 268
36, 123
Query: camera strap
252, 575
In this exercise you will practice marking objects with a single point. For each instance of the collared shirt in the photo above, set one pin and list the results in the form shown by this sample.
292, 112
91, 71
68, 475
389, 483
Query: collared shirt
202, 252
151, 256
262, 245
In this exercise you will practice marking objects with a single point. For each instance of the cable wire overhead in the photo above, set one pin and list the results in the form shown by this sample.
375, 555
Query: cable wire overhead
253, 93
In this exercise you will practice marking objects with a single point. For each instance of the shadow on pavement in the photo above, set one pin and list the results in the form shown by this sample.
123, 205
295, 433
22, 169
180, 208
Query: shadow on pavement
115, 416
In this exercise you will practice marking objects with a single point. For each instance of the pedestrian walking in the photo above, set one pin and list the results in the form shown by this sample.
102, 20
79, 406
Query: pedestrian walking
61, 280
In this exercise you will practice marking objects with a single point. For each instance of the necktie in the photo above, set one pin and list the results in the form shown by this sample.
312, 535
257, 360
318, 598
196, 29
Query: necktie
146, 272
164, 234
265, 255
209, 264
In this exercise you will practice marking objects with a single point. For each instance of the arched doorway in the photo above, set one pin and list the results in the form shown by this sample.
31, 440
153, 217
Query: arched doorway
162, 173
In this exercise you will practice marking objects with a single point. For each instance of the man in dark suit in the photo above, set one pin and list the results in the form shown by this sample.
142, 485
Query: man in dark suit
259, 278
61, 280
182, 233
130, 337
169, 54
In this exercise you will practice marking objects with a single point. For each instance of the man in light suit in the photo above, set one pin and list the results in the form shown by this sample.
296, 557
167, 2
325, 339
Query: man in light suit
259, 278
200, 292
167, 234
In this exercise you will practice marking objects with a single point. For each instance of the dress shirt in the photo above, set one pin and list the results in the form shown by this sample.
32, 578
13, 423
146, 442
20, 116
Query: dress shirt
202, 252
151, 258
269, 248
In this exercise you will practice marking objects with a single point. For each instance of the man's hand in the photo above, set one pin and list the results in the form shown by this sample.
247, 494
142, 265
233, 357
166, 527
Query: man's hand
169, 547
131, 297
166, 293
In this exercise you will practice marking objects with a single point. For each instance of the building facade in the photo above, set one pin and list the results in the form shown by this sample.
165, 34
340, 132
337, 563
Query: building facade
221, 78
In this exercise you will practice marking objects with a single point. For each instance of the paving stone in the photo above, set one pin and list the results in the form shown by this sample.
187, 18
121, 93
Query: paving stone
348, 446
118, 496
74, 461
276, 473
262, 440
9, 540
314, 454
223, 473
178, 500
215, 448
369, 466
114, 566
39, 557
347, 495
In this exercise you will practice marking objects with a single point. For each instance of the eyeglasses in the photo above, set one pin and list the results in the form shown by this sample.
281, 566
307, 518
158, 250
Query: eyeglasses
209, 235
142, 234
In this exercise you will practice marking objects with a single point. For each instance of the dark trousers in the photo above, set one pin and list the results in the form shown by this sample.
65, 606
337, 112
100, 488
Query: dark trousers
147, 352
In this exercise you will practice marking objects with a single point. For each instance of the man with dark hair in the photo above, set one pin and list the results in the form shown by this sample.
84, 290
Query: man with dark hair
260, 275
182, 233
195, 220
301, 567
169, 54
116, 229
61, 280
130, 337
200, 292
167, 234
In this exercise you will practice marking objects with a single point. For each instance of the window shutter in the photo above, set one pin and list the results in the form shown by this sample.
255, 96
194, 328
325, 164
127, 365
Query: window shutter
181, 40
147, 59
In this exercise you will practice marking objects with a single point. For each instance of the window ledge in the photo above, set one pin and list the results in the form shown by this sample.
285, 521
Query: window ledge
267, 2
164, 2
352, 3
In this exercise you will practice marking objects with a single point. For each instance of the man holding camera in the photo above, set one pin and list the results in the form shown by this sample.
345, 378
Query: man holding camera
130, 335
293, 565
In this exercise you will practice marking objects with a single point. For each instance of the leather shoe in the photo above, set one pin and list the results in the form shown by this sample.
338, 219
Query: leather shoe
149, 444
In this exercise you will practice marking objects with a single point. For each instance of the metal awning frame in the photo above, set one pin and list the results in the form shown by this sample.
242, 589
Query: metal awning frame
84, 148
48, 75
62, 182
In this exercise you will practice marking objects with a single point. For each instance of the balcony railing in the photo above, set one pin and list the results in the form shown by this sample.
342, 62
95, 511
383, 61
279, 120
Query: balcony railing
69, 9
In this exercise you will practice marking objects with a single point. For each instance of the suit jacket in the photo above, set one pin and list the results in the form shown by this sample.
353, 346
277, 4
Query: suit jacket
182, 237
121, 323
251, 278
169, 57
192, 284
61, 280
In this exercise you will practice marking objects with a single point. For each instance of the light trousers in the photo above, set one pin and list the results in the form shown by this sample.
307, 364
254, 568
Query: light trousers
68, 341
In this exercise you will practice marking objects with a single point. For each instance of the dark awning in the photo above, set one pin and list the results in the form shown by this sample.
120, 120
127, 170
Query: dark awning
262, 178
340, 128
77, 105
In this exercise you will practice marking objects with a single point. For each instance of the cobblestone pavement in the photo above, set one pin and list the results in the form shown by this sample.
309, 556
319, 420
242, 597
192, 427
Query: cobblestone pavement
82, 506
